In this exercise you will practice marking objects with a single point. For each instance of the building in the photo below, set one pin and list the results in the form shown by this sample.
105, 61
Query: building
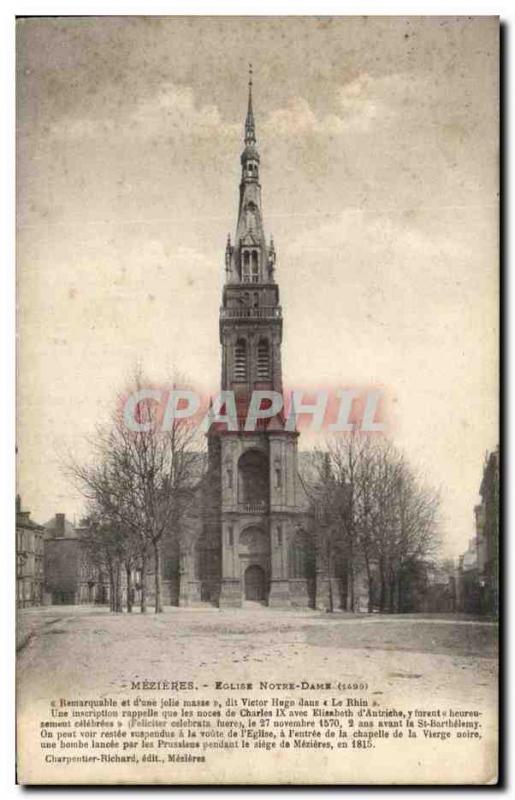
487, 533
254, 545
70, 575
477, 576
62, 561
29, 559
467, 580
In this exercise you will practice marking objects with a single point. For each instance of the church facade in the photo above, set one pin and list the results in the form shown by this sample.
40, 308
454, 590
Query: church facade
254, 544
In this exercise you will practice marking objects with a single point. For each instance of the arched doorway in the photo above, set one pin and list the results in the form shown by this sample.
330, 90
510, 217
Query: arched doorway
255, 583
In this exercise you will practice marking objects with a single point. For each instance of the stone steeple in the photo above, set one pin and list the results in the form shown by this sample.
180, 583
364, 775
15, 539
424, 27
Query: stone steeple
250, 260
253, 512
250, 315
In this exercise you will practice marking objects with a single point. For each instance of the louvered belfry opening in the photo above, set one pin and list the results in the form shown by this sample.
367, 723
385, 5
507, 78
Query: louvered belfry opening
240, 360
263, 360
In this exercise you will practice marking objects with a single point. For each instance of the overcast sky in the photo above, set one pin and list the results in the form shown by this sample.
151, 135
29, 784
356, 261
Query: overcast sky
378, 141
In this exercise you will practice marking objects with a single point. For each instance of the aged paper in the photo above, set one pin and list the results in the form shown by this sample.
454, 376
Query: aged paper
257, 415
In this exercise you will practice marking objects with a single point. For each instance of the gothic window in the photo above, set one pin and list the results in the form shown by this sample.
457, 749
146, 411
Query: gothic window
255, 267
256, 300
263, 361
278, 477
229, 477
240, 360
246, 266
230, 536
279, 536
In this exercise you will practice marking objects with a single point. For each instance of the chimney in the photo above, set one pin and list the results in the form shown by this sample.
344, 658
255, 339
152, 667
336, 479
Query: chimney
18, 504
59, 524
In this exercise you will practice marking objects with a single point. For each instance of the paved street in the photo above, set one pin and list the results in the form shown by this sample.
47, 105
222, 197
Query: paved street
84, 647
410, 662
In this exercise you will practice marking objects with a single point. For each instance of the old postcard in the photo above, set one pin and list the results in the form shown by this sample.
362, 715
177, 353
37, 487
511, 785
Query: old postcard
257, 405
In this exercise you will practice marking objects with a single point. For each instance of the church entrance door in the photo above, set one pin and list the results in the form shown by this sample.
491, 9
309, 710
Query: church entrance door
255, 583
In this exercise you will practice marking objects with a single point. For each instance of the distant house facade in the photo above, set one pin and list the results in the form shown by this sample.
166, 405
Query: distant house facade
477, 575
467, 581
29, 559
70, 576
487, 532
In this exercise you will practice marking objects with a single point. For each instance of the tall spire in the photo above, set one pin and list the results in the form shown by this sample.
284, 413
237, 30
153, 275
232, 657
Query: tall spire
250, 129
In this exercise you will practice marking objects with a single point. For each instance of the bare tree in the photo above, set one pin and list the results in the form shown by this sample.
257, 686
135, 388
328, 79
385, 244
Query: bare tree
369, 504
103, 546
417, 539
347, 457
142, 479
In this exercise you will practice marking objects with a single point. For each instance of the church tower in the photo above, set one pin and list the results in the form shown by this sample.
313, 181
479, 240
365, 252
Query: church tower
257, 492
250, 316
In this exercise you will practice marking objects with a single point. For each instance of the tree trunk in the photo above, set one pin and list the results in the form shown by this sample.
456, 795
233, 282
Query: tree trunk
345, 584
130, 590
382, 597
157, 560
350, 587
391, 594
350, 578
118, 588
112, 588
144, 583
370, 586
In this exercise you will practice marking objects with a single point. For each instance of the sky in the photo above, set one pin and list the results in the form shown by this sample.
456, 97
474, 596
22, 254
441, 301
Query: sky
379, 167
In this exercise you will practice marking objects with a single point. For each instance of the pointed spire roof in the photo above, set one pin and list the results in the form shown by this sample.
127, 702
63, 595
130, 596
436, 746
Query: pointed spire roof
250, 127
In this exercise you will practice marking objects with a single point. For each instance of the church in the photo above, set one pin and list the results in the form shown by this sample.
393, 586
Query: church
254, 544
257, 531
